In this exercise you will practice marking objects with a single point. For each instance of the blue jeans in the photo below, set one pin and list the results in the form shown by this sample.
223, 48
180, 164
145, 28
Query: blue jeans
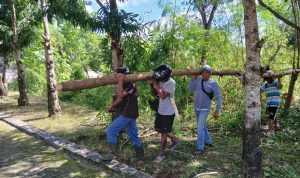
118, 125
202, 131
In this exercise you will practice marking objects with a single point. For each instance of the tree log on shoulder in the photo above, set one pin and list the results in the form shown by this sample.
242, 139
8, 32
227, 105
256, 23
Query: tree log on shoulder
107, 80
102, 81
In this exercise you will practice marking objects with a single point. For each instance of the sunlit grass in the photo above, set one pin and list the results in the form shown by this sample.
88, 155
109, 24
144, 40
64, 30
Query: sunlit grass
87, 127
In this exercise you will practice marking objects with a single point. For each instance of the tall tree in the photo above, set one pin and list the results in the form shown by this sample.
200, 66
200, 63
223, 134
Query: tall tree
207, 11
115, 23
53, 102
5, 49
296, 59
73, 11
251, 158
23, 98
17, 20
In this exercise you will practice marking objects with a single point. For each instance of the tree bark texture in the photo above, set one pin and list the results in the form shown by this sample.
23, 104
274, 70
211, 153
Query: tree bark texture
4, 80
117, 55
53, 101
251, 157
23, 99
287, 103
2, 90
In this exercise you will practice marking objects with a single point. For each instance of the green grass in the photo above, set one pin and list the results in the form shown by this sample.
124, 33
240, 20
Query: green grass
88, 127
24, 156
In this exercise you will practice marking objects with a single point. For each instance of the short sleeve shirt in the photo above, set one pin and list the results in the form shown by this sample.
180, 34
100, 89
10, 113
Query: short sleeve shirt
165, 105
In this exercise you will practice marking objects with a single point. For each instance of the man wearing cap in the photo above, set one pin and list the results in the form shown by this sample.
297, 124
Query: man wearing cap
272, 89
127, 101
205, 89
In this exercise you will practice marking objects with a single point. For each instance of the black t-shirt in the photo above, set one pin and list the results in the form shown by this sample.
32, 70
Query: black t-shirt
129, 106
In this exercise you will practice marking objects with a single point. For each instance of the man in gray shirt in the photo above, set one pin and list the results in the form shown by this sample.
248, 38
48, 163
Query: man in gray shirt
205, 89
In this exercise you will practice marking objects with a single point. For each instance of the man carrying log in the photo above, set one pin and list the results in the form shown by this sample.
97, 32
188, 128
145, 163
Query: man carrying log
205, 89
127, 100
272, 89
164, 86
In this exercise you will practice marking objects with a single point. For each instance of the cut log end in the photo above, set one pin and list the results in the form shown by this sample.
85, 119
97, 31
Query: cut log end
58, 87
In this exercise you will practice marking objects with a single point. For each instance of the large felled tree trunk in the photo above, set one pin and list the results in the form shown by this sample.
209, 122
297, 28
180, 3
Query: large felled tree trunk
101, 81
23, 99
251, 158
53, 102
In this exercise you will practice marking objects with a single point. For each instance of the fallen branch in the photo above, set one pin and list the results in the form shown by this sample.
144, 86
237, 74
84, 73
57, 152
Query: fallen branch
205, 173
152, 133
167, 149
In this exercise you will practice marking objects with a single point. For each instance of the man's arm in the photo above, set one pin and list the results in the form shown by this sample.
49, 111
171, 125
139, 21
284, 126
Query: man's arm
120, 92
162, 94
153, 91
193, 83
218, 95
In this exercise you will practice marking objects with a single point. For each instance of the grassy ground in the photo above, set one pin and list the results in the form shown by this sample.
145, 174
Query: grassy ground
24, 156
281, 156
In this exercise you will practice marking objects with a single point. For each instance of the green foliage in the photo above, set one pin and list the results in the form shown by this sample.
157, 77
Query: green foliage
73, 11
114, 22
94, 98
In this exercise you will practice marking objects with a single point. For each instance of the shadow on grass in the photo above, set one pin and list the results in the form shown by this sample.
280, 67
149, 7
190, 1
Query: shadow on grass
23, 156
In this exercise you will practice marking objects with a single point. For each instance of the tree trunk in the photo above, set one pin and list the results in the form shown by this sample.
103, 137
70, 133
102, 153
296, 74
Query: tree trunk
1, 86
23, 99
4, 80
287, 103
53, 102
117, 55
251, 158
206, 21
101, 81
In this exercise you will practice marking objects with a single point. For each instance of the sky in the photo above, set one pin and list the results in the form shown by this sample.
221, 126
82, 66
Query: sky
147, 9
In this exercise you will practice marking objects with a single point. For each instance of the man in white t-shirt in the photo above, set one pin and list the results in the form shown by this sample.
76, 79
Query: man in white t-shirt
164, 86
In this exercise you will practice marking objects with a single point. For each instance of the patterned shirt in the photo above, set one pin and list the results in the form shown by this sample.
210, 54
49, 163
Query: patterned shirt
273, 93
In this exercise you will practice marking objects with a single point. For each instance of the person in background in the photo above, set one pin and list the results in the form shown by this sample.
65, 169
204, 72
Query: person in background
272, 88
